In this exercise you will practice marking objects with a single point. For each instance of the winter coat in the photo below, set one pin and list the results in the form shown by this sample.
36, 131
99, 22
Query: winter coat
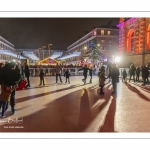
102, 79
85, 70
9, 76
115, 75
90, 72
41, 75
67, 74
58, 69
27, 71
4, 95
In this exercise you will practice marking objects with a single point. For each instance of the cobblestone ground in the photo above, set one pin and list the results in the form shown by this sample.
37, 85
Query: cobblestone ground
76, 107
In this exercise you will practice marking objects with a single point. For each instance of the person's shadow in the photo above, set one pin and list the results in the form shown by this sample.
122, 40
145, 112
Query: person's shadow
108, 125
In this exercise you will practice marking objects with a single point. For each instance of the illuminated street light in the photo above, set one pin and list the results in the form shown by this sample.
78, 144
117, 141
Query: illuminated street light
117, 59
39, 51
43, 50
85, 47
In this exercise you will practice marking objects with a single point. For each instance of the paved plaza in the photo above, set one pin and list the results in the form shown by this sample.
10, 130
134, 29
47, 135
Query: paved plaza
76, 107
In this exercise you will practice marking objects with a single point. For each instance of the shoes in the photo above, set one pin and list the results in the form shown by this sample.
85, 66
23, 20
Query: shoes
65, 82
69, 82
39, 84
43, 84
113, 92
13, 110
82, 80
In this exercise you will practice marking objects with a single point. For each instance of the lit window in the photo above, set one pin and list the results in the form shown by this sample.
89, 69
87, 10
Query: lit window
103, 41
108, 32
102, 32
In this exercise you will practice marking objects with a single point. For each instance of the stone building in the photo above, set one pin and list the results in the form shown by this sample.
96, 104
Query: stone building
107, 38
134, 41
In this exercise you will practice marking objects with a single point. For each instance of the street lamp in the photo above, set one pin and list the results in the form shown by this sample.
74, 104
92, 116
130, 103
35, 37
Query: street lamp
43, 50
39, 51
49, 45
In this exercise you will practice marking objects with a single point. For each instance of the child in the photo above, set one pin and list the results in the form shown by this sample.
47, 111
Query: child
102, 79
41, 77
5, 97
67, 74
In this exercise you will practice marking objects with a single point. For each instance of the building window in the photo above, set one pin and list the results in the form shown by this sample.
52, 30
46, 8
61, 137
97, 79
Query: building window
103, 41
132, 42
108, 32
109, 41
109, 47
102, 32
102, 48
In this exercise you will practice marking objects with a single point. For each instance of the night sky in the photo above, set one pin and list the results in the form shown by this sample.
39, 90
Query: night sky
34, 33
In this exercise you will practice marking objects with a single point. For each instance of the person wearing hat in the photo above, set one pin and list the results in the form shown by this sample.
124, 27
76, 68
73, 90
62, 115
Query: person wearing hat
10, 76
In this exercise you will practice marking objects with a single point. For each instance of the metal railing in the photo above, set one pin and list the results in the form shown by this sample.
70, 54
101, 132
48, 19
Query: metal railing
73, 71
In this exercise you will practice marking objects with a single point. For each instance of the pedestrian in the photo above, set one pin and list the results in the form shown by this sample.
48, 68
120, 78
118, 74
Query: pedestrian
137, 73
41, 77
85, 70
124, 76
27, 73
91, 73
132, 72
102, 79
10, 76
6, 91
115, 78
67, 75
58, 71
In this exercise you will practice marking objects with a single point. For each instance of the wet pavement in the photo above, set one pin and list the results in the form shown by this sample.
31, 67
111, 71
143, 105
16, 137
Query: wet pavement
76, 107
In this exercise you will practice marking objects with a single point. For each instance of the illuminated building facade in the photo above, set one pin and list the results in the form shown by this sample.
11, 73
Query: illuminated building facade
134, 40
107, 39
5, 46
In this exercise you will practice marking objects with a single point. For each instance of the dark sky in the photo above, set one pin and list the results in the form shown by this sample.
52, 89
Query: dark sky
38, 32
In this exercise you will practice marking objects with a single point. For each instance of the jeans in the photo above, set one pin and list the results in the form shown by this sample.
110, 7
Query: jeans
68, 79
57, 77
42, 80
12, 98
28, 80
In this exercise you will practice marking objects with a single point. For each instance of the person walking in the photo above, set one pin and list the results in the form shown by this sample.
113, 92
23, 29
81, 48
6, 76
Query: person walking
91, 73
67, 75
124, 75
10, 76
85, 70
115, 78
102, 79
6, 91
41, 77
58, 70
27, 73
137, 73
132, 72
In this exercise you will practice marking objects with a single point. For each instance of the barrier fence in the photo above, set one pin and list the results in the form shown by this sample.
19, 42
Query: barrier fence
73, 71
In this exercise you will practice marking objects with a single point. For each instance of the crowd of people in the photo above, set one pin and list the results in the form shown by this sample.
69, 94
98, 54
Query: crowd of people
11, 76
134, 73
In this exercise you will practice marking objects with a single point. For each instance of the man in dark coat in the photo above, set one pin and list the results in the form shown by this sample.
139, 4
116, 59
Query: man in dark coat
137, 73
132, 72
85, 71
10, 76
115, 77
27, 74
